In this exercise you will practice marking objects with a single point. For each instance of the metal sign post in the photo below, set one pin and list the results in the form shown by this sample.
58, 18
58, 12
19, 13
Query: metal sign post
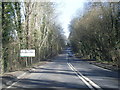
27, 53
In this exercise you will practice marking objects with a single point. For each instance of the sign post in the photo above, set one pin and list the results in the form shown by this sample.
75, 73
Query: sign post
27, 53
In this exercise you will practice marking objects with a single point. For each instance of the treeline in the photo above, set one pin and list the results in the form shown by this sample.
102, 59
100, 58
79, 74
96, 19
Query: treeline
0, 37
29, 25
96, 34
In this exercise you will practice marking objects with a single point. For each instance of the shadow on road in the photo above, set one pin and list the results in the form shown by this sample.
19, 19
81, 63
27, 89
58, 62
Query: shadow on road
36, 84
51, 69
8, 78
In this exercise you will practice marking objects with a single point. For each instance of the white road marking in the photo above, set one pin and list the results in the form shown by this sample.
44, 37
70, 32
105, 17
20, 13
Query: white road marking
82, 78
102, 68
17, 81
11, 85
21, 75
87, 81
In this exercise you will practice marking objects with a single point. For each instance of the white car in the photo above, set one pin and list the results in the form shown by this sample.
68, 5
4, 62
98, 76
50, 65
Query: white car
70, 55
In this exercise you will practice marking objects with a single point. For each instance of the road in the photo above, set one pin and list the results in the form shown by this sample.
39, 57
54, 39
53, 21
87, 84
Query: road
68, 73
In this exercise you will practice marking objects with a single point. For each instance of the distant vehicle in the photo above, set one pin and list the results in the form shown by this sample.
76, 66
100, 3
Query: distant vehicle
70, 54
69, 48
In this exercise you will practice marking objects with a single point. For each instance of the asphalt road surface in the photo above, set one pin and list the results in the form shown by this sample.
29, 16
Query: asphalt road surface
67, 72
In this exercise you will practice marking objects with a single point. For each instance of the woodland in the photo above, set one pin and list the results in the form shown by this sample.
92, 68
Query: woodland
96, 34
33, 25
29, 25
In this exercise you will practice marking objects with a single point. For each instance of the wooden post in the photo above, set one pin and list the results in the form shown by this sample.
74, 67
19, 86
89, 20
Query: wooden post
26, 62
31, 60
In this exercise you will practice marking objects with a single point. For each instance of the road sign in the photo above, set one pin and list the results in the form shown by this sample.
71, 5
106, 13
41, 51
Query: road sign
27, 53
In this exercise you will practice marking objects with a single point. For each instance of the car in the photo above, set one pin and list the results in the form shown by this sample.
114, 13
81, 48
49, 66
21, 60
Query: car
70, 55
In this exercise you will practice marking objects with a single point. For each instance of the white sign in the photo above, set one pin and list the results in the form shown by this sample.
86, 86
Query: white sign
27, 53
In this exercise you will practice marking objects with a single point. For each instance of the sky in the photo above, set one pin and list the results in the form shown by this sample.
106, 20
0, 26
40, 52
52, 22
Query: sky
68, 10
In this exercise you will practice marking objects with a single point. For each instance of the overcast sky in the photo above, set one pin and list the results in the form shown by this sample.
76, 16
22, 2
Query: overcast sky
68, 10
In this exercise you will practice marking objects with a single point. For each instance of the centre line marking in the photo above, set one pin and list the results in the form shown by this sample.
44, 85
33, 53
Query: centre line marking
81, 78
87, 81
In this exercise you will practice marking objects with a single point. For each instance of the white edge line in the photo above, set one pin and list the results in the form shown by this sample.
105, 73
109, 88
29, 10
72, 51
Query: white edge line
16, 81
21, 75
11, 85
102, 68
